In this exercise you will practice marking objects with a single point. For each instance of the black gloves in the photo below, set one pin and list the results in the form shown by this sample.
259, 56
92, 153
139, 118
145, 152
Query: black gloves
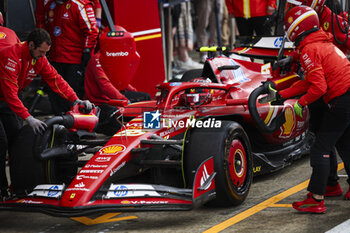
85, 57
273, 97
85, 105
38, 126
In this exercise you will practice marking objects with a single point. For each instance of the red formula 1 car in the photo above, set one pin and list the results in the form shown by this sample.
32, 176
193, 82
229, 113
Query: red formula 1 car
197, 143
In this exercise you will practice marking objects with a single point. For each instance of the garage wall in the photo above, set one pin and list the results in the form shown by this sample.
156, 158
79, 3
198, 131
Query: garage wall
20, 18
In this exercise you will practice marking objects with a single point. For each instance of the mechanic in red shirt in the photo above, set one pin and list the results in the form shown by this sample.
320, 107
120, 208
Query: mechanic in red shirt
251, 15
19, 65
340, 33
40, 12
73, 29
100, 90
7, 36
327, 75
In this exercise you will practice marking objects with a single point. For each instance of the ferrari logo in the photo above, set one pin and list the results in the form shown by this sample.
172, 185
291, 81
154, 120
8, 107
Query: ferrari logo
326, 26
68, 6
72, 196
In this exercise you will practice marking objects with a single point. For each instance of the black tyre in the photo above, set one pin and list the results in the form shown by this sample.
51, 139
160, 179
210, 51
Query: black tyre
27, 171
233, 162
191, 74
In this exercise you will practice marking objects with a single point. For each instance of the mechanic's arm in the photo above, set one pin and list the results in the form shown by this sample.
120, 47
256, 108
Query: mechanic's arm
299, 87
318, 87
271, 6
90, 32
9, 89
130, 88
107, 87
40, 14
61, 87
229, 5
104, 84
10, 70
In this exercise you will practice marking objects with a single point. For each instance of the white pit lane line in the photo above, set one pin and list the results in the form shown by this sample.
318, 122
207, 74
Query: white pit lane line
341, 228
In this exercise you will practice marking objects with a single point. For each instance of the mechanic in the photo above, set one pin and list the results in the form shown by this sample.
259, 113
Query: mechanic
19, 64
100, 90
7, 36
340, 32
251, 15
327, 75
73, 29
40, 13
318, 107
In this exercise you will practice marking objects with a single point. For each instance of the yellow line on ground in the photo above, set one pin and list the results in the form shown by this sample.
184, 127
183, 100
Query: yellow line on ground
102, 219
261, 206
280, 205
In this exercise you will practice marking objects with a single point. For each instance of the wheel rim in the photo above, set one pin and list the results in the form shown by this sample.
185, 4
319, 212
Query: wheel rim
237, 163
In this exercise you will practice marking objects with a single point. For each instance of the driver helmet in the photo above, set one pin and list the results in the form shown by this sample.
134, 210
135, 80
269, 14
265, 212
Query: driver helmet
197, 96
317, 5
1, 19
300, 21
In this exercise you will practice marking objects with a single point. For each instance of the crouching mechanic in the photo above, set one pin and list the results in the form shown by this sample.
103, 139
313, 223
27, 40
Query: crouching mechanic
327, 75
99, 90
7, 36
19, 65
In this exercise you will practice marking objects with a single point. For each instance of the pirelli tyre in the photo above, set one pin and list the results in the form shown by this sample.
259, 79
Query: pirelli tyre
27, 170
233, 164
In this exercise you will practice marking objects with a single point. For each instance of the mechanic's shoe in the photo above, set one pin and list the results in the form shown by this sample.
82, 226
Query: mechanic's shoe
347, 195
331, 191
189, 64
310, 205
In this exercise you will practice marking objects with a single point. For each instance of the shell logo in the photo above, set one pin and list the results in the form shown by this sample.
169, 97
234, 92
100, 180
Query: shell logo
112, 149
2, 35
289, 124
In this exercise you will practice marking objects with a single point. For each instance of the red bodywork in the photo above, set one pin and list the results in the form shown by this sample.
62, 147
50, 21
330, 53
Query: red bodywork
229, 92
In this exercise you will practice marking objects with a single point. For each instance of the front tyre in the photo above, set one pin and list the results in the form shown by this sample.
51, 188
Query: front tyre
230, 147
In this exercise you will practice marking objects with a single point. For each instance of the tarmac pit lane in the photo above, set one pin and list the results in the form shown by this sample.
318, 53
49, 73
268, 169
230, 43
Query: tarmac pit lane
267, 209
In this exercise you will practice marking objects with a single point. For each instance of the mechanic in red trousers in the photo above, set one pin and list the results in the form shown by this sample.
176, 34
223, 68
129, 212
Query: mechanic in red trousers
327, 75
7, 36
19, 65
100, 90
73, 29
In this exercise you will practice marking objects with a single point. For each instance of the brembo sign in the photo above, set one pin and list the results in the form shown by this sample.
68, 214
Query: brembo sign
117, 54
